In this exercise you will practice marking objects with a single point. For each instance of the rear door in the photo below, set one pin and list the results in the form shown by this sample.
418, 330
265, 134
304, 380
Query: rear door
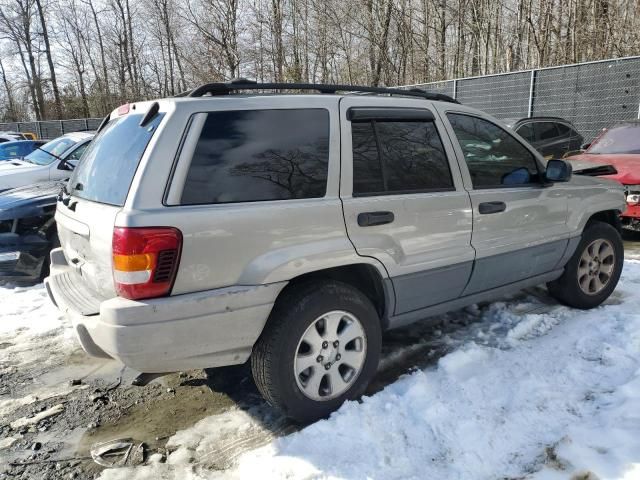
403, 202
519, 225
96, 192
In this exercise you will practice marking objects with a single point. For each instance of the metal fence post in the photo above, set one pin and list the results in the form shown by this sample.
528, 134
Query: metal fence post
532, 87
455, 88
61, 127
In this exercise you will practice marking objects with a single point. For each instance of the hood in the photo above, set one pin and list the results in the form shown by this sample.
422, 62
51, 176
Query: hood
15, 165
627, 165
28, 201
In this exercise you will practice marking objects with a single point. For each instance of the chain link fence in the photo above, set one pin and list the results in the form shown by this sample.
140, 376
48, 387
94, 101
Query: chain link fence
50, 129
592, 95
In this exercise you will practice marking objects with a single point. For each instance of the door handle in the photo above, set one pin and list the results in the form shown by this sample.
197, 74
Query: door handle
492, 207
371, 219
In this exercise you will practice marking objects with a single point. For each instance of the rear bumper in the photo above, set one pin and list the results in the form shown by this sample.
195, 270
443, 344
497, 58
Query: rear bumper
213, 328
23, 261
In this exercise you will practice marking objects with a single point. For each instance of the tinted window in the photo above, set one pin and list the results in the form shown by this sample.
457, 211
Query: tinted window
564, 131
493, 156
546, 131
367, 167
108, 165
398, 157
253, 155
526, 132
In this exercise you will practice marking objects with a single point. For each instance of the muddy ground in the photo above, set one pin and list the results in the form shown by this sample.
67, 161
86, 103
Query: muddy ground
93, 400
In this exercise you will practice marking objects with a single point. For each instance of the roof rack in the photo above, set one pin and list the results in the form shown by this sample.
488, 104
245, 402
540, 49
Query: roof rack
226, 88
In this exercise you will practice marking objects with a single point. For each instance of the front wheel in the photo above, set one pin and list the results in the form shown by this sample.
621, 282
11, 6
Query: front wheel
320, 347
593, 271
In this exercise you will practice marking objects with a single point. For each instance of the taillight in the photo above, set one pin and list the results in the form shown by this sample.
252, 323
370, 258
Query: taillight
145, 260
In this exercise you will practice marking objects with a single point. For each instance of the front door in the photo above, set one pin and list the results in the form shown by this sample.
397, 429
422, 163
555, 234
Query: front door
519, 223
403, 199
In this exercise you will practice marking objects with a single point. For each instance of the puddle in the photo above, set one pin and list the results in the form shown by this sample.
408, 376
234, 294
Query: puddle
154, 420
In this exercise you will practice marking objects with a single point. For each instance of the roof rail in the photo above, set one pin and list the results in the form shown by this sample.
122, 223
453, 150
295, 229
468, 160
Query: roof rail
226, 88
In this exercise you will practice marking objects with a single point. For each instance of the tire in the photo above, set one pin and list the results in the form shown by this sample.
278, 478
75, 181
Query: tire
46, 263
583, 285
291, 340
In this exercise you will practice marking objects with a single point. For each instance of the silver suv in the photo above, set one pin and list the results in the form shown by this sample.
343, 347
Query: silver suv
293, 229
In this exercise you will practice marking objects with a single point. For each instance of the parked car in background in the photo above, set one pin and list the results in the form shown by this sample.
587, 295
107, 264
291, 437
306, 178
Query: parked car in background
52, 161
292, 230
553, 137
27, 231
12, 136
18, 148
618, 146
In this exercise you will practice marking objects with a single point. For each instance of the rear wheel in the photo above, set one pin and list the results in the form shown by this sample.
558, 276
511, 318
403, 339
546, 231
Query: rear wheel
593, 271
320, 347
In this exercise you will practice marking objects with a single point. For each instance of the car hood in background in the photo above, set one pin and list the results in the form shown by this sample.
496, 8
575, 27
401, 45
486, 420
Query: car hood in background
28, 201
627, 165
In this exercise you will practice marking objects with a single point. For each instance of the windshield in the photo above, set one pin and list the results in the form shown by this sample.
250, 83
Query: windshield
49, 152
107, 167
619, 139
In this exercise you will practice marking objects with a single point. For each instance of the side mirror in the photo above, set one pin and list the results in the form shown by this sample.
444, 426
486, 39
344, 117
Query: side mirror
558, 171
584, 146
63, 165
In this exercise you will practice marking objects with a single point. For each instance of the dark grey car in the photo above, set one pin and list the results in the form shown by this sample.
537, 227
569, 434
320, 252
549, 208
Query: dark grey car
553, 137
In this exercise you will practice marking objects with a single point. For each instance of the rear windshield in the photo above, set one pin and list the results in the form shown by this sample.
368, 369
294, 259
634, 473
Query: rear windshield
106, 169
620, 139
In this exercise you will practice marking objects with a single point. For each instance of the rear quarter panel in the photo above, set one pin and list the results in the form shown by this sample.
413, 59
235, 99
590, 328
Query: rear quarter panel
248, 243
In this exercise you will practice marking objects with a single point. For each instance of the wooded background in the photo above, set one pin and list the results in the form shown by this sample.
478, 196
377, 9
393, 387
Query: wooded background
81, 58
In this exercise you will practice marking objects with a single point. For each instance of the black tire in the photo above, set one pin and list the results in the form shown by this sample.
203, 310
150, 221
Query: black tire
54, 242
272, 360
567, 289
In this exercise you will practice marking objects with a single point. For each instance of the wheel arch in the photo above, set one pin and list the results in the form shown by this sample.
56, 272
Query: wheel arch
612, 217
363, 276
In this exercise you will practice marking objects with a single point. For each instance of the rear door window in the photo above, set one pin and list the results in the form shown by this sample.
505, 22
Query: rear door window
546, 131
108, 165
526, 132
259, 155
398, 157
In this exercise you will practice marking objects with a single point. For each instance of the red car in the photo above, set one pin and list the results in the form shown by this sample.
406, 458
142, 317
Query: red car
618, 146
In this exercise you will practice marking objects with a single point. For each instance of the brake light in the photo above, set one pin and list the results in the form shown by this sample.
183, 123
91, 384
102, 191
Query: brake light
145, 260
123, 109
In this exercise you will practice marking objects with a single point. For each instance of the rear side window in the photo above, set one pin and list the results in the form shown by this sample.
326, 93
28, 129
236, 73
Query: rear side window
398, 157
546, 131
564, 130
108, 165
526, 132
259, 155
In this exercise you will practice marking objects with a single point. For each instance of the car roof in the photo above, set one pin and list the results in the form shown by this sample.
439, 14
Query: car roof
78, 136
542, 119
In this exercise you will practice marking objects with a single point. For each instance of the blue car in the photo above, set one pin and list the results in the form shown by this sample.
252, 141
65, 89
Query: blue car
18, 149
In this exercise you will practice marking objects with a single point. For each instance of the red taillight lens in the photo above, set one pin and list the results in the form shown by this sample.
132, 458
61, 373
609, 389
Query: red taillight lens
145, 260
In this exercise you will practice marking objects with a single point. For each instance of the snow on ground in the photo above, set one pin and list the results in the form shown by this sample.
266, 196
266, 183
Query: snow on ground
30, 345
536, 392
37, 340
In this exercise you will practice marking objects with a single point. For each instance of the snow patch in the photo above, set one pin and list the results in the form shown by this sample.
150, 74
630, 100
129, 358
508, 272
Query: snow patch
548, 388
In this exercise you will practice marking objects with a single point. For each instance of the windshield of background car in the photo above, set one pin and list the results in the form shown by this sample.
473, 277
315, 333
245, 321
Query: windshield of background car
49, 152
106, 170
620, 139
